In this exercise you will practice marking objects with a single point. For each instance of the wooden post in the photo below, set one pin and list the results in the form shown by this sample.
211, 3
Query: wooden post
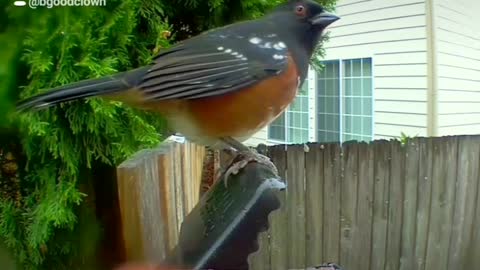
157, 188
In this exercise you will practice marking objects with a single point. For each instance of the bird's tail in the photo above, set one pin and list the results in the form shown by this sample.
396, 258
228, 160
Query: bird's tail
84, 89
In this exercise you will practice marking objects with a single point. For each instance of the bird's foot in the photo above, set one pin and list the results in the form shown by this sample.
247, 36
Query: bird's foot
241, 161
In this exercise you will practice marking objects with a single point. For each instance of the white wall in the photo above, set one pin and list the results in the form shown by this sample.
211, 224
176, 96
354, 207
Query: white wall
457, 37
394, 34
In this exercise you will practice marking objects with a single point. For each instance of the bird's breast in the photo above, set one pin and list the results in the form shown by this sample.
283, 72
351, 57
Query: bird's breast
242, 113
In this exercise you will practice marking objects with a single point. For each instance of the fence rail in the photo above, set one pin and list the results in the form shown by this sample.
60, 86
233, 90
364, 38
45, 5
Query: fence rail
377, 206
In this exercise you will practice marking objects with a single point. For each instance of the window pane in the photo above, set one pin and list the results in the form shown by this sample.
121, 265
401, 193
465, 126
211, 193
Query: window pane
347, 105
329, 105
347, 124
321, 136
330, 71
356, 68
347, 69
367, 125
357, 125
322, 73
321, 87
367, 87
336, 123
295, 106
321, 122
367, 106
356, 94
357, 87
357, 106
331, 88
367, 67
277, 133
321, 105
297, 120
276, 130
347, 85
335, 69
305, 120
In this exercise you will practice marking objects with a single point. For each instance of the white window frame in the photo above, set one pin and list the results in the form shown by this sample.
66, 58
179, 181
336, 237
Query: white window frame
313, 102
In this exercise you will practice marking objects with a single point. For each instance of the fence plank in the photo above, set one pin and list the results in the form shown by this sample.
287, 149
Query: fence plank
423, 202
473, 261
443, 197
167, 188
128, 193
314, 205
395, 205
348, 223
412, 153
177, 185
331, 198
296, 206
187, 177
261, 258
278, 219
362, 237
138, 186
467, 173
380, 206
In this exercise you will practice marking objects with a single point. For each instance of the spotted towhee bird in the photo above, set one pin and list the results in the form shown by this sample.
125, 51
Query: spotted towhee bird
223, 85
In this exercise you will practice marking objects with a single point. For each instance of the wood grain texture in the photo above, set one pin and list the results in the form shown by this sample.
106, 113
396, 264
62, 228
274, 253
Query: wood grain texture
348, 220
296, 206
331, 196
314, 182
157, 188
412, 155
278, 219
380, 204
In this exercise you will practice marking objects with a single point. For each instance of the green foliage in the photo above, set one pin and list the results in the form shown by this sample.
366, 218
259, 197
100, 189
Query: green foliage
404, 138
47, 224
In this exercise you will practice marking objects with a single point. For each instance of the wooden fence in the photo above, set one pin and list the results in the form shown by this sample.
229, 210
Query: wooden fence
156, 189
378, 206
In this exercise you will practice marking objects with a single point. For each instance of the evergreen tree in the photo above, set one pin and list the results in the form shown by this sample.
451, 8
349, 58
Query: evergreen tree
46, 157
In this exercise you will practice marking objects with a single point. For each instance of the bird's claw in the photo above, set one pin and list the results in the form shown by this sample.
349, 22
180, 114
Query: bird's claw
243, 158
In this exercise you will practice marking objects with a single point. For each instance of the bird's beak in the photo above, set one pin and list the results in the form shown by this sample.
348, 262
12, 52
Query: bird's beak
324, 19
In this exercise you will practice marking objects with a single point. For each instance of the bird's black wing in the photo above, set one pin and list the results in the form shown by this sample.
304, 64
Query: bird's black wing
215, 63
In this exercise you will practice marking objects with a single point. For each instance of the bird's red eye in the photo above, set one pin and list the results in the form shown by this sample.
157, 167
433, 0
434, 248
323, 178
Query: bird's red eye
300, 10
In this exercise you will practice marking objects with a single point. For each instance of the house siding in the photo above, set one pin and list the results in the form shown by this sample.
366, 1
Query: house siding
458, 59
394, 34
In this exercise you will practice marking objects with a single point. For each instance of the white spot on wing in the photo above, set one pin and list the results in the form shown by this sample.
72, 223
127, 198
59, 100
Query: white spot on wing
271, 35
255, 40
267, 45
220, 48
279, 46
228, 50
234, 53
278, 57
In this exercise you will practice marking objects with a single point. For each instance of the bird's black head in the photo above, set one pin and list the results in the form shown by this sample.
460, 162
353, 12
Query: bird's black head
302, 22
